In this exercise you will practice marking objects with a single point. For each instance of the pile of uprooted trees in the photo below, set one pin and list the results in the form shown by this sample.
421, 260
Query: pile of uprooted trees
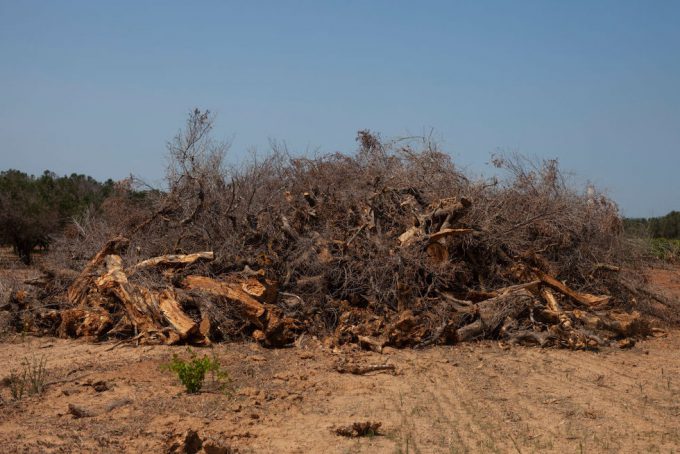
390, 246
105, 302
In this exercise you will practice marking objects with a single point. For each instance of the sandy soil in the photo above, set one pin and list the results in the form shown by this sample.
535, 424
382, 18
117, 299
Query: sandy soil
477, 398
666, 280
465, 398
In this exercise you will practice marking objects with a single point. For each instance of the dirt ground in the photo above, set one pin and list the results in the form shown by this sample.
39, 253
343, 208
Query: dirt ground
666, 280
464, 398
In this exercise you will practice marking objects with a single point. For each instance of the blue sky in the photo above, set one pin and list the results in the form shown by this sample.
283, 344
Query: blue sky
98, 87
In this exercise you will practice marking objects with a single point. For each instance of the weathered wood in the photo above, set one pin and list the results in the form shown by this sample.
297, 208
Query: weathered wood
80, 322
452, 212
139, 303
620, 323
154, 314
554, 311
273, 329
263, 290
472, 331
413, 234
531, 286
409, 236
356, 369
171, 260
175, 316
78, 290
252, 309
445, 233
550, 300
492, 313
586, 299
627, 324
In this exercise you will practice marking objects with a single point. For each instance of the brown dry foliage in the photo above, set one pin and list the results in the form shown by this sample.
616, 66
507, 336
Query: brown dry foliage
327, 228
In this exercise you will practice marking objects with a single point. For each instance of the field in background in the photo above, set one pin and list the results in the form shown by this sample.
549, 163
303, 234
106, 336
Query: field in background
665, 249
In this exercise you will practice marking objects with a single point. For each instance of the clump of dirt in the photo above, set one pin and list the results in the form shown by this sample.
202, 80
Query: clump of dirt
359, 429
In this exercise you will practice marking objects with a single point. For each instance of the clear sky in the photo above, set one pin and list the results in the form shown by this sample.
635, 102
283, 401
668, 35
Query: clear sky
98, 87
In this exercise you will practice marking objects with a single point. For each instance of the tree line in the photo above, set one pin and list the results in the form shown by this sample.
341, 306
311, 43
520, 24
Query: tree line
33, 208
667, 226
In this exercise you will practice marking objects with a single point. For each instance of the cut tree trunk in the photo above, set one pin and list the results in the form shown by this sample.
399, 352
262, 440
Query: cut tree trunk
249, 307
153, 316
175, 316
171, 260
78, 290
492, 313
586, 299
272, 328
156, 314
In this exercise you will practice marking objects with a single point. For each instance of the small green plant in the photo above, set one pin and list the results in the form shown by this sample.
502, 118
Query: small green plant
30, 380
192, 373
17, 385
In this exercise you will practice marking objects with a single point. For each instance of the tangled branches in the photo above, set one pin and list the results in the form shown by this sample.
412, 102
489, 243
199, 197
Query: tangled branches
392, 233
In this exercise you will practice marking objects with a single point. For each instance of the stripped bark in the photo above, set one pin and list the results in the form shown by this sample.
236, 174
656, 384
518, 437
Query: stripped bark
492, 312
78, 290
171, 260
585, 299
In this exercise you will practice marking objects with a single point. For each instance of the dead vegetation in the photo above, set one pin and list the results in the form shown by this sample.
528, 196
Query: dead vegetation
190, 442
391, 246
31, 380
358, 369
359, 429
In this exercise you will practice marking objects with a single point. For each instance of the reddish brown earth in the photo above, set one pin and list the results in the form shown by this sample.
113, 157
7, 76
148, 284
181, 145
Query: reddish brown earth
666, 279
464, 398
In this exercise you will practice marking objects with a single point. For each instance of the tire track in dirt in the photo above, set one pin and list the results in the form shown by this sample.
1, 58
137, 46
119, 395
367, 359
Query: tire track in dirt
478, 432
581, 400
493, 386
448, 415
465, 398
451, 407
635, 389
544, 399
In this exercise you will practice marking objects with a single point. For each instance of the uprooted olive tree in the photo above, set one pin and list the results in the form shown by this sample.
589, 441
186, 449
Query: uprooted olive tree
390, 245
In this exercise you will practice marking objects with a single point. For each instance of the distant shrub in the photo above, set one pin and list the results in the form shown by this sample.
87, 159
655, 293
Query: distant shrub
34, 208
667, 226
665, 249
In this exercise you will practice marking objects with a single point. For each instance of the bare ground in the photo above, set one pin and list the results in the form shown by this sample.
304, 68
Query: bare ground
477, 398
465, 398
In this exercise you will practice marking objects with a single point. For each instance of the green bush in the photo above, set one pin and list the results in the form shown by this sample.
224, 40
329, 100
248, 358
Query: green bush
34, 208
665, 249
192, 373
667, 226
